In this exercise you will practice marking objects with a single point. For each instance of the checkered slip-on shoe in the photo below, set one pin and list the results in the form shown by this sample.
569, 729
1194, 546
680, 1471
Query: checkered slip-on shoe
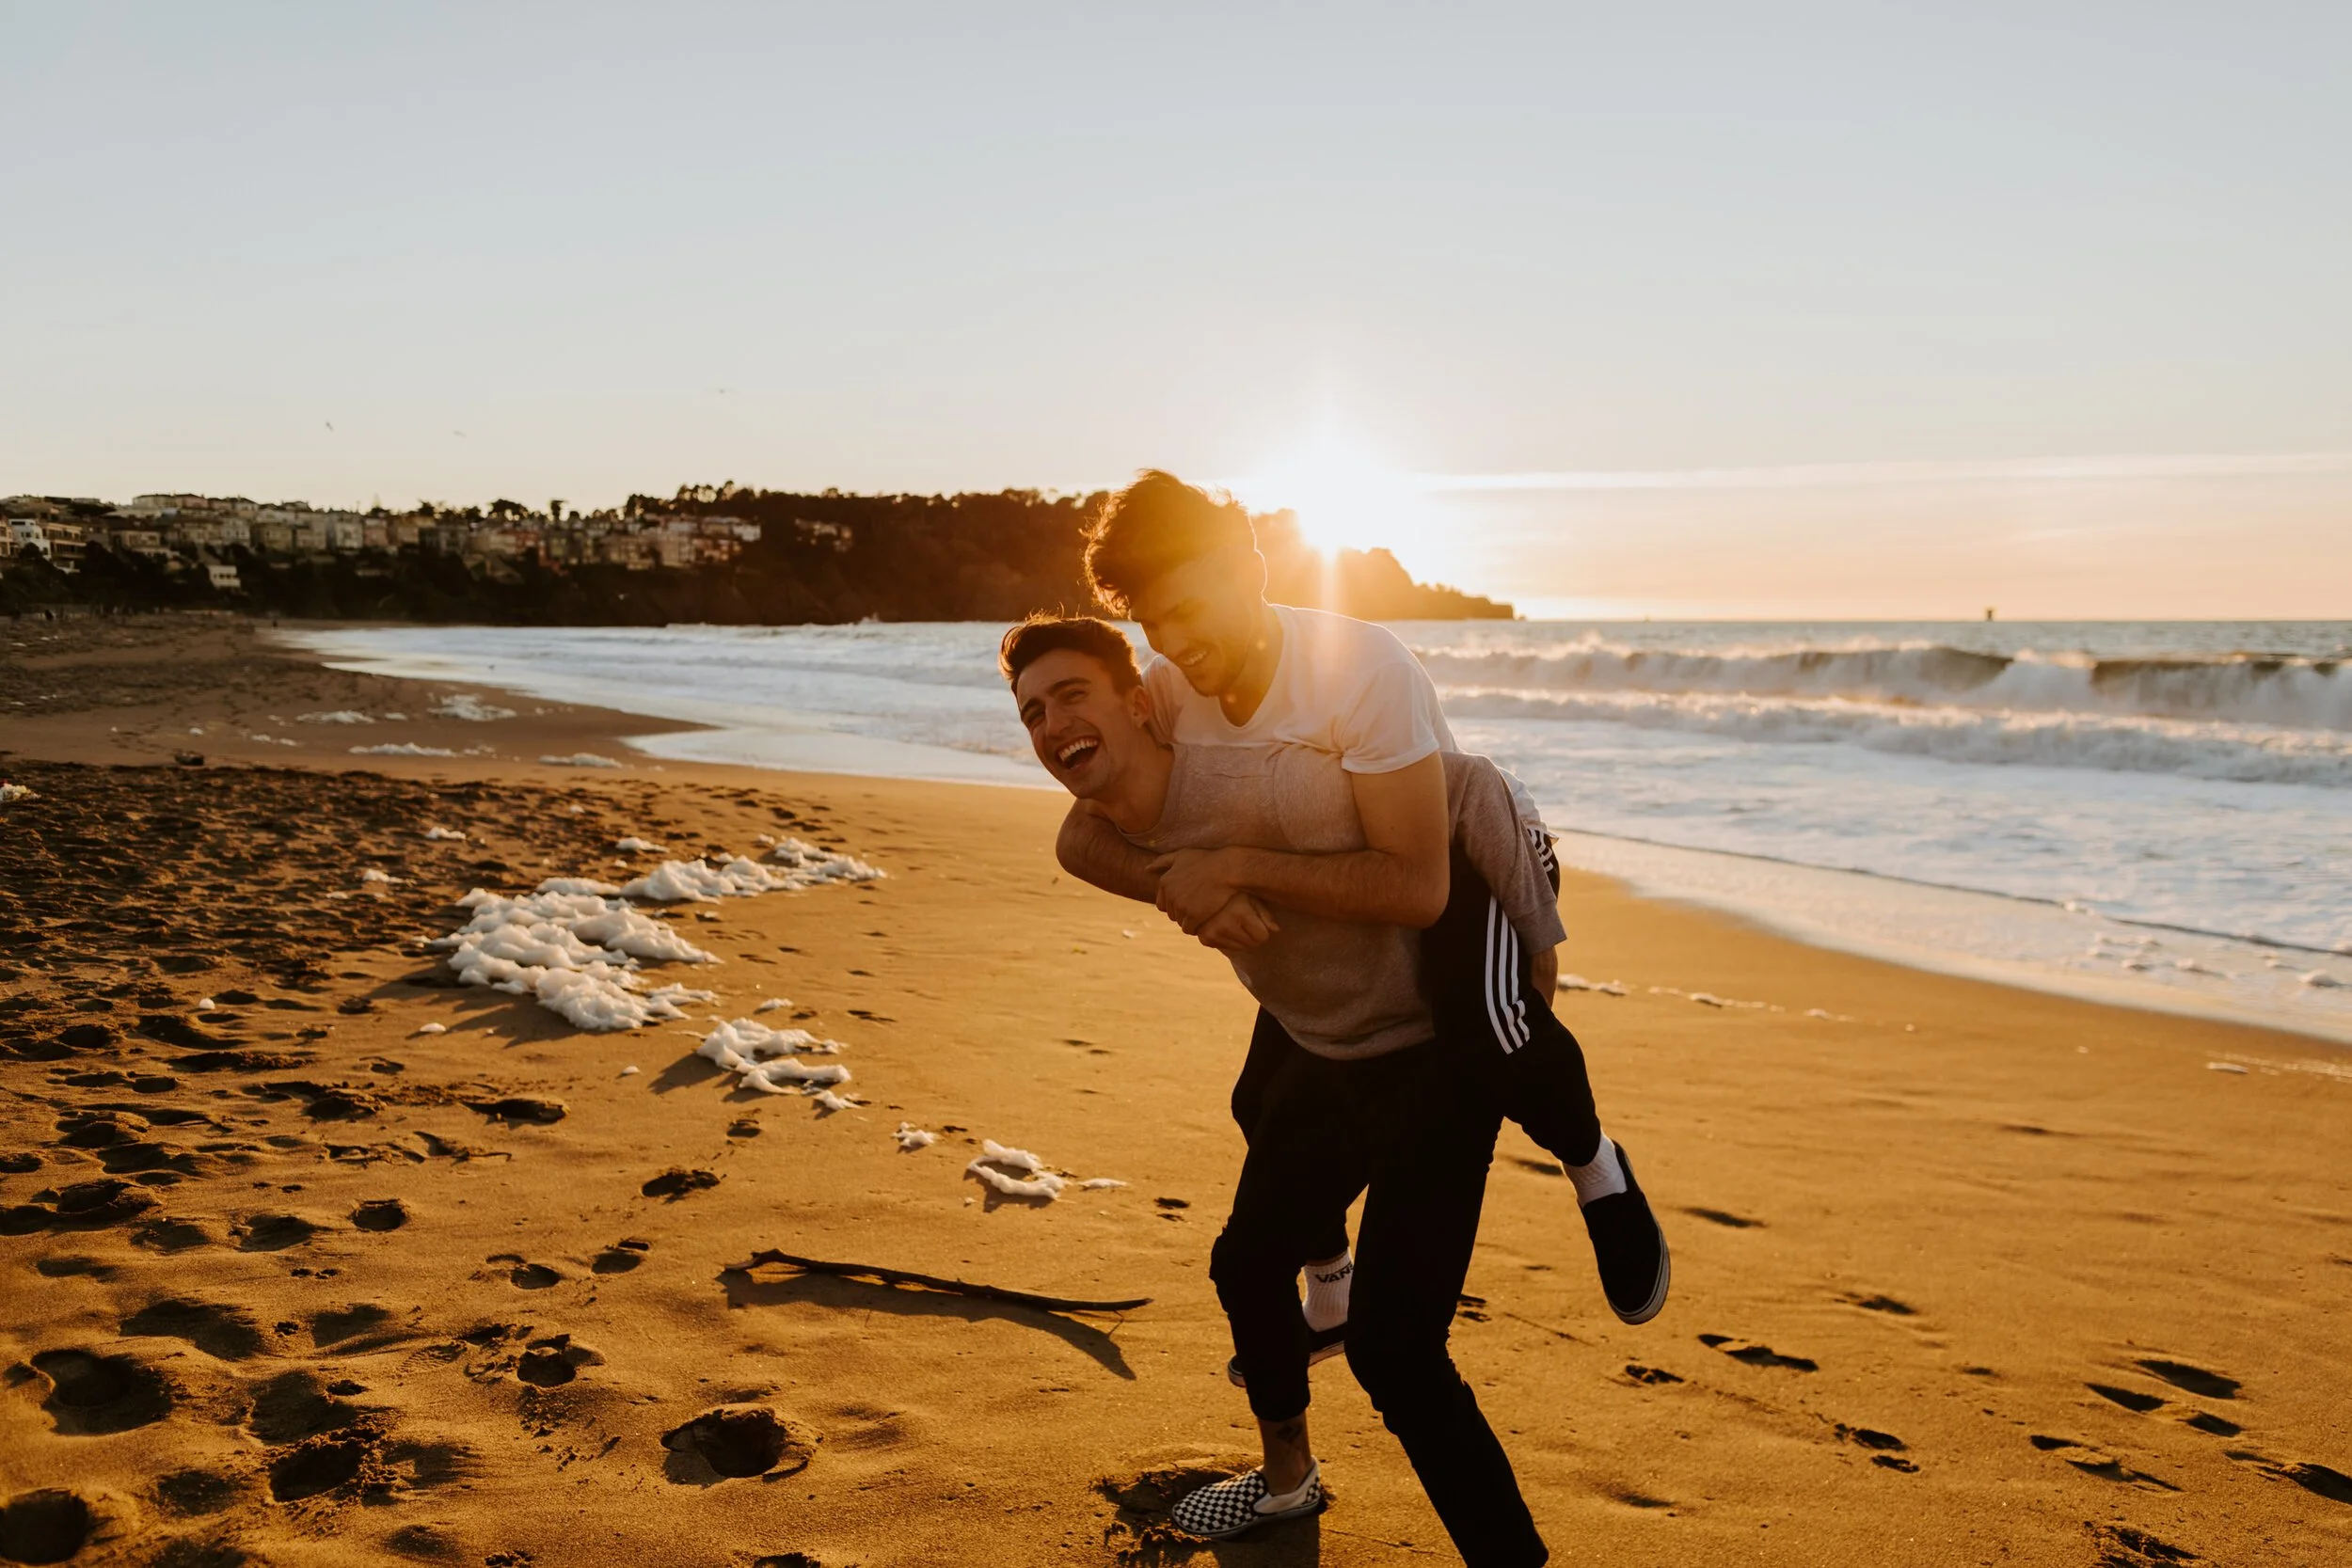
1322, 1344
1230, 1507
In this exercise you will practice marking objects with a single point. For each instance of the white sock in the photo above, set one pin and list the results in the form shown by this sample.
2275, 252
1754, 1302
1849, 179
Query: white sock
1601, 1176
1327, 1291
1279, 1502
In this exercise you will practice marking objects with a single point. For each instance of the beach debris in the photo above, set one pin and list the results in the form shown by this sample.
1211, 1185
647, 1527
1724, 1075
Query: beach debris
631, 1071
195, 759
396, 749
580, 759
911, 1137
450, 835
339, 716
739, 1440
934, 1282
828, 1102
205, 1005
11, 793
429, 1029
773, 1004
1099, 1183
378, 876
1578, 982
635, 845
464, 705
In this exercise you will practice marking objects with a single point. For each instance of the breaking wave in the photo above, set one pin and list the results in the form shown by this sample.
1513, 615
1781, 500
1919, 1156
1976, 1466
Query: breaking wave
2283, 691
2242, 754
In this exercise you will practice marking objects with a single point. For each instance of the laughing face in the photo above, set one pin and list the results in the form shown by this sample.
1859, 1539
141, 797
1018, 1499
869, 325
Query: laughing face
1083, 728
1203, 616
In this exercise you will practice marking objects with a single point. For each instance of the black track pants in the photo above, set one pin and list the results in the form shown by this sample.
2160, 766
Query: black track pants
1494, 1026
1418, 1138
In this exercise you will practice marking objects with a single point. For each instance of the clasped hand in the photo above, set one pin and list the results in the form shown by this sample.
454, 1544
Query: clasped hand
1195, 892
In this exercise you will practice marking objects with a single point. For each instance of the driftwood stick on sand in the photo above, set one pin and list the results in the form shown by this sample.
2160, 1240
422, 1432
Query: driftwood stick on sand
956, 1287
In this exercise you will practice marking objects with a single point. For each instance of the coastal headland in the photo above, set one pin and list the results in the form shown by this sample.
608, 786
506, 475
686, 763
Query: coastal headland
313, 1255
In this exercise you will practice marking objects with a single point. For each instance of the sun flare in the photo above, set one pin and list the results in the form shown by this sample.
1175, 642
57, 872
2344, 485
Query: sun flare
1347, 497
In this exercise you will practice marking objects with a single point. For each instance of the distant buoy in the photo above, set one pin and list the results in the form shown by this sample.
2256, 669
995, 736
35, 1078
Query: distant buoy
1988, 612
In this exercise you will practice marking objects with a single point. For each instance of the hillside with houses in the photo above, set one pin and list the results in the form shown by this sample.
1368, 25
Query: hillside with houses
707, 553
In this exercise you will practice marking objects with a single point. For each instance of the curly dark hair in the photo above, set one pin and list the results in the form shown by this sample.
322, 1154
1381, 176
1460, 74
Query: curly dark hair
1156, 523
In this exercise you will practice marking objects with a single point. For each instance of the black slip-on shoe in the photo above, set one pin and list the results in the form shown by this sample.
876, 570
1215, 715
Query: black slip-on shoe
1630, 1248
1230, 1507
1322, 1344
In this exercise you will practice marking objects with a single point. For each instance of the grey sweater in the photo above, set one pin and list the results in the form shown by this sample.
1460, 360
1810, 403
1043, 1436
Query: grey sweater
1343, 988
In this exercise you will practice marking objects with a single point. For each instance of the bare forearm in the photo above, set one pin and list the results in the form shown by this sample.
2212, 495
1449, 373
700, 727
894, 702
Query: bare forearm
1367, 885
1092, 850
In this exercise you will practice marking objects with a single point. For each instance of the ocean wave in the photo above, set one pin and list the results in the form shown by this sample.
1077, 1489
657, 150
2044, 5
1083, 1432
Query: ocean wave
2129, 744
2284, 692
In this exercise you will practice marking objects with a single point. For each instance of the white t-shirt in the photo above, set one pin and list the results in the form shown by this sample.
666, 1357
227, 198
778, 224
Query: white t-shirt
1341, 686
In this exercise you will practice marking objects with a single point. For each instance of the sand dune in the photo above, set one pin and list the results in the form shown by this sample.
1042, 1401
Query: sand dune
1964, 1274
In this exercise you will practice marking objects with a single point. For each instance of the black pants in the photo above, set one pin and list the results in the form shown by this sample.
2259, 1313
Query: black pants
1416, 1137
1491, 1023
1497, 1026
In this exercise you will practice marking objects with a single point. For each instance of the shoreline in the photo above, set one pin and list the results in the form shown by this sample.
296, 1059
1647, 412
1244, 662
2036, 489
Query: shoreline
1986, 1271
1799, 909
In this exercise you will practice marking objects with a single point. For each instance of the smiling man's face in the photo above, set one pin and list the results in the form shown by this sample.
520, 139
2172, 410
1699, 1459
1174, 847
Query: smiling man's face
1203, 616
1083, 728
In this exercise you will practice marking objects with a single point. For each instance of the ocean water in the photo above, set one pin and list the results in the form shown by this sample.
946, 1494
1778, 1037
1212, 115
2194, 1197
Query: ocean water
2158, 813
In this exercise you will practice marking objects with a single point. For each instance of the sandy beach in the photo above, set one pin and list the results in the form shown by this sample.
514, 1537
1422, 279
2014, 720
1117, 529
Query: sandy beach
313, 1256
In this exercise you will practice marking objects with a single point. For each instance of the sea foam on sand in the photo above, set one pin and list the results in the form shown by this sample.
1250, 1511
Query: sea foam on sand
577, 952
768, 1059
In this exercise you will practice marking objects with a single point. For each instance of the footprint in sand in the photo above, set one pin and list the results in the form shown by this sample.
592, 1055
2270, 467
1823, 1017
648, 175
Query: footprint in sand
223, 1333
294, 1405
551, 1361
272, 1232
317, 1464
527, 1276
2195, 1380
92, 1394
2122, 1546
622, 1256
2098, 1462
677, 1181
737, 1440
1757, 1355
380, 1213
47, 1526
1886, 1449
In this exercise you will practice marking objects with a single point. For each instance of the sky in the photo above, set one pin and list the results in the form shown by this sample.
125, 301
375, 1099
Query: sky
1850, 310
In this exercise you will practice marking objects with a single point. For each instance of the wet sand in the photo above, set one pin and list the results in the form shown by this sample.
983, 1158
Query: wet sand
1964, 1274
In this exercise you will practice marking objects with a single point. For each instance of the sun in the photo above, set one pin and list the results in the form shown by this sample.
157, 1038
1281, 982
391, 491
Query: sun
1346, 498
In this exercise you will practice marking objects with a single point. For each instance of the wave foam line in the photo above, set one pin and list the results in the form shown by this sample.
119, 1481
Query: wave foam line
2237, 753
2281, 691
